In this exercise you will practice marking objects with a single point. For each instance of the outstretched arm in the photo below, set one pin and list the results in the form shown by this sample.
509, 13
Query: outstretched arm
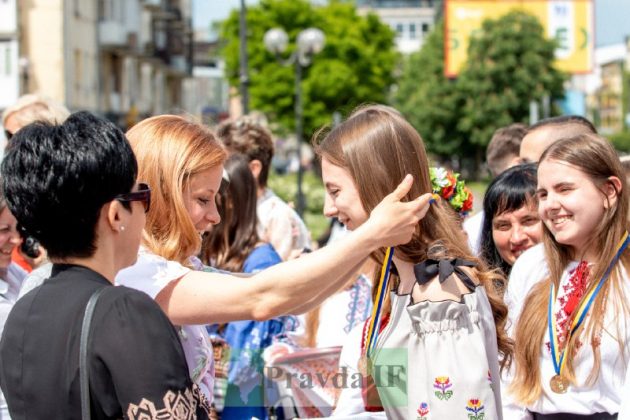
203, 298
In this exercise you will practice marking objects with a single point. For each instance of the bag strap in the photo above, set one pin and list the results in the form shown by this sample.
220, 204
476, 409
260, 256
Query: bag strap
83, 363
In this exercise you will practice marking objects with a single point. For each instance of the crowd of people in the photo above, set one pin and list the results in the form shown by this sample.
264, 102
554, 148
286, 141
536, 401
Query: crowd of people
518, 312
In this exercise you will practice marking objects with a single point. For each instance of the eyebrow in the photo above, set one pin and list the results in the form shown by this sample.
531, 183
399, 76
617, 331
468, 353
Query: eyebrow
328, 185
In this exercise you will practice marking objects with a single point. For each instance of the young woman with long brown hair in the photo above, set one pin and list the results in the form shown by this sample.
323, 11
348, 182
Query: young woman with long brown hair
568, 297
446, 329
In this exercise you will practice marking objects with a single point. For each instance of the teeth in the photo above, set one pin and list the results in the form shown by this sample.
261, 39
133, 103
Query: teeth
560, 219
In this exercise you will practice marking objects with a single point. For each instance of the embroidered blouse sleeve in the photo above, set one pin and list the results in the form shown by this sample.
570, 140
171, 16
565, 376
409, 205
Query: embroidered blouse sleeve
137, 352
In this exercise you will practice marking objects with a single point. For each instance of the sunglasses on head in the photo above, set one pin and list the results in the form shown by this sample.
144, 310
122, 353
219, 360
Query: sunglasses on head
143, 194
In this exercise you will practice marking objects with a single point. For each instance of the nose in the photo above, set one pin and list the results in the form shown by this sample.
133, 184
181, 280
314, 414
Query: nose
212, 216
549, 204
329, 207
518, 236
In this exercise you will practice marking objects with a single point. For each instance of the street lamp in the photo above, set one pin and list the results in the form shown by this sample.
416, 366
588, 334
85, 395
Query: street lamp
309, 42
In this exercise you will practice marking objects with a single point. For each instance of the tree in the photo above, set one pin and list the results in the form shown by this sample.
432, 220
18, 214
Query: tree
356, 65
510, 63
429, 100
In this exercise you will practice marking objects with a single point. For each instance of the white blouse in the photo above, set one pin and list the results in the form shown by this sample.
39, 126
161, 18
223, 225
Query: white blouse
612, 386
150, 274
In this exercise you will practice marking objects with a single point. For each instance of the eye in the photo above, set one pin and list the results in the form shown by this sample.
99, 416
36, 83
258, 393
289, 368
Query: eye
333, 192
530, 221
502, 226
541, 195
203, 201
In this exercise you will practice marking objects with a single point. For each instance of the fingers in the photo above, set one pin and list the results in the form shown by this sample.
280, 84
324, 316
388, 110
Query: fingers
422, 204
402, 189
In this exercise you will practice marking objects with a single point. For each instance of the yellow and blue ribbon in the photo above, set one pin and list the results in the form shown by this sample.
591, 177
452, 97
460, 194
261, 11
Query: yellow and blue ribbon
558, 358
381, 292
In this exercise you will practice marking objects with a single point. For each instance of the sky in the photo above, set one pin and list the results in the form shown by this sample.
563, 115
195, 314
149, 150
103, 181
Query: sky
611, 17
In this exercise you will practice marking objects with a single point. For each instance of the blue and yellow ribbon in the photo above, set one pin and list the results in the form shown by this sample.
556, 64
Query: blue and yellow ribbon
558, 358
381, 292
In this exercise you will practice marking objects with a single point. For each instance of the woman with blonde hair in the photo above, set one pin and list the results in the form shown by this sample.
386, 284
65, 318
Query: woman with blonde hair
444, 321
568, 297
183, 163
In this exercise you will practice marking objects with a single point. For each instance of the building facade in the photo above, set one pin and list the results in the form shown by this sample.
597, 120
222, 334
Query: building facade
411, 20
124, 59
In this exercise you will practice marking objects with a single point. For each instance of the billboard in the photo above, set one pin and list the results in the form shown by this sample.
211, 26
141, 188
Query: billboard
570, 22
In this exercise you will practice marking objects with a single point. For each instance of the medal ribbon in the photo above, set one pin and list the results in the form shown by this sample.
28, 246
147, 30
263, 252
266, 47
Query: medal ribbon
558, 357
381, 291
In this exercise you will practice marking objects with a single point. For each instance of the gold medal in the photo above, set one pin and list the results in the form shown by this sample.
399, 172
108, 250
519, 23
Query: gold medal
559, 384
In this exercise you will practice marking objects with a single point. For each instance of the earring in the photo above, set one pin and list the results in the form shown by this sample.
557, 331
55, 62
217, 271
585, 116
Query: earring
122, 228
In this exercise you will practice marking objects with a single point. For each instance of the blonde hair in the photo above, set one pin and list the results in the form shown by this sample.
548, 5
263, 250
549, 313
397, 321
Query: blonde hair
31, 107
170, 150
379, 147
595, 157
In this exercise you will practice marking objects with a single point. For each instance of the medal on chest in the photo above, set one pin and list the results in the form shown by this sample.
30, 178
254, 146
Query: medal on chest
558, 383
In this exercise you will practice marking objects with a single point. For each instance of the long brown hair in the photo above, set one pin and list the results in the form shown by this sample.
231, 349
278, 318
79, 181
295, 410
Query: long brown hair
595, 157
231, 241
170, 150
379, 147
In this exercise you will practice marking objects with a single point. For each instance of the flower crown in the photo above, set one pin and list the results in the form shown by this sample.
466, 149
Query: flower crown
448, 186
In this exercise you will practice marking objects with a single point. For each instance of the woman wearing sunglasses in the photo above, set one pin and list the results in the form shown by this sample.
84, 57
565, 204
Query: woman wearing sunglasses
183, 163
74, 187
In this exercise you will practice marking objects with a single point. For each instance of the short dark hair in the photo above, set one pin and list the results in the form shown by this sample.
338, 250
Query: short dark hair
248, 137
58, 177
565, 120
505, 142
508, 192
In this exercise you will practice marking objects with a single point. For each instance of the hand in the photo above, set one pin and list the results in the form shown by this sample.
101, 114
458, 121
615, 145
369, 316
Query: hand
393, 222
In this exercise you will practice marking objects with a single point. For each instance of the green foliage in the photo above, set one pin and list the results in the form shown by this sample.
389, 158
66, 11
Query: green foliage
621, 141
429, 100
510, 63
356, 65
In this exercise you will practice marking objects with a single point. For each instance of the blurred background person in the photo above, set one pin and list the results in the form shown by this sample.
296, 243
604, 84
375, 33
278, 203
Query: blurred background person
545, 132
234, 245
26, 110
279, 224
11, 274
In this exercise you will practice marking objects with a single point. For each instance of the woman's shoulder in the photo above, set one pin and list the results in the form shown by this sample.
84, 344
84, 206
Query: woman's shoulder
151, 273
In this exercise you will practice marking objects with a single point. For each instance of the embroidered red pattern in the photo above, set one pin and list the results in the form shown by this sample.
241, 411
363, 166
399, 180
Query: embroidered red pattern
569, 297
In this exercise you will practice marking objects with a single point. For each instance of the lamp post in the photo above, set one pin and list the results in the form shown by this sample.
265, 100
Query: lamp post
309, 42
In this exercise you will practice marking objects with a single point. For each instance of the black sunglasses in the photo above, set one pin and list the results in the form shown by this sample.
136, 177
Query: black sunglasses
143, 194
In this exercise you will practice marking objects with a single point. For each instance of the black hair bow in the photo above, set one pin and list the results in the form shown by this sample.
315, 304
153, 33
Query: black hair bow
428, 269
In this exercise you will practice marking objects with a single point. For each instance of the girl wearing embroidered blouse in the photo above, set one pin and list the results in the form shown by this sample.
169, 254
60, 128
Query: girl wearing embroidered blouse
447, 329
568, 298
183, 163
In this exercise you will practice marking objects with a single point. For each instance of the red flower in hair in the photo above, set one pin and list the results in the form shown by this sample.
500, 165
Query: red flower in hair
448, 190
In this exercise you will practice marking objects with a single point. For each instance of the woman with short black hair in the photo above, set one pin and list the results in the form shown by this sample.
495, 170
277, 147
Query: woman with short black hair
73, 186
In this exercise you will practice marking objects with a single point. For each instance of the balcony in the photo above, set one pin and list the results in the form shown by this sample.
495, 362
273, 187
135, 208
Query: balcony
112, 33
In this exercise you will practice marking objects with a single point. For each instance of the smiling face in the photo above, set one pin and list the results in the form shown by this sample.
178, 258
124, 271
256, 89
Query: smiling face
342, 197
514, 232
571, 205
9, 237
200, 198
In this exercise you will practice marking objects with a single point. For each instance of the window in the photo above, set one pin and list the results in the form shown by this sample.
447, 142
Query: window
425, 28
412, 30
399, 29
